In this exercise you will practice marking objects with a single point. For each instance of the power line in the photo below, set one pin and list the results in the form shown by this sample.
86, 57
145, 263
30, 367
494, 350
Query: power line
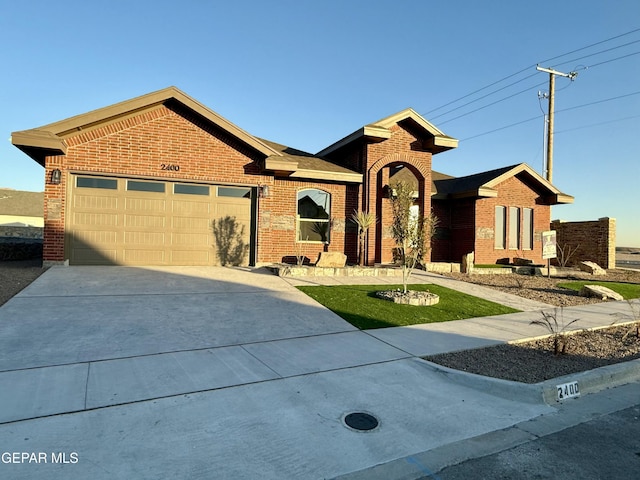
484, 96
598, 53
480, 89
598, 101
531, 66
613, 59
557, 111
592, 45
598, 124
491, 104
522, 91
537, 117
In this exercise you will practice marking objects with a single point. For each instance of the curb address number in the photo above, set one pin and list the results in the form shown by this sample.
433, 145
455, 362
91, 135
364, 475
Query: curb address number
170, 167
568, 390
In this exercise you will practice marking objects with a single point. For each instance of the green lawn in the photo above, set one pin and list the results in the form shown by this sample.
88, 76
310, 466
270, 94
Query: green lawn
627, 290
358, 305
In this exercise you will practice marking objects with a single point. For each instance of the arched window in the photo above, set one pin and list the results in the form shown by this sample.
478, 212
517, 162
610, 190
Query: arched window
314, 216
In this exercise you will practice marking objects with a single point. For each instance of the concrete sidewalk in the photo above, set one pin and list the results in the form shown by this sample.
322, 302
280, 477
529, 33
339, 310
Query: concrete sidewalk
234, 373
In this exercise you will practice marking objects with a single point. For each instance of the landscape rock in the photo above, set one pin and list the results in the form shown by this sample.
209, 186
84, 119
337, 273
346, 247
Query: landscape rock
592, 268
467, 263
522, 262
600, 292
332, 260
411, 297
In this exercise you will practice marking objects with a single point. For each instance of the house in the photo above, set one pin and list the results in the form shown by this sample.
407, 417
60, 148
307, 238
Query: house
146, 182
21, 209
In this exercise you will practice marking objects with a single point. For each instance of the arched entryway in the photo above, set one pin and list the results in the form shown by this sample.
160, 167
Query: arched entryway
381, 175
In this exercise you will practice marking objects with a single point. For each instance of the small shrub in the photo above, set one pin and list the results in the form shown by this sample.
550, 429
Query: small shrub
565, 252
633, 316
557, 329
521, 281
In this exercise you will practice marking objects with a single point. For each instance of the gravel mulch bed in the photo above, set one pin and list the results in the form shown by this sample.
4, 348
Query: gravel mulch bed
545, 289
533, 362
16, 275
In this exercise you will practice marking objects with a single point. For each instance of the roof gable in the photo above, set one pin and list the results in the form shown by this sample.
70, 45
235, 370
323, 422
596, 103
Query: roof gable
50, 139
483, 185
433, 139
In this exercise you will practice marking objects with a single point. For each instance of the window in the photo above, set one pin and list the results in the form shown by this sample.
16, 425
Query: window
527, 229
514, 228
94, 182
191, 189
500, 228
145, 186
236, 192
314, 213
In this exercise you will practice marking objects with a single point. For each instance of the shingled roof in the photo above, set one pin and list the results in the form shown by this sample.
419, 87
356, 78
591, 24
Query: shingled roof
298, 164
482, 185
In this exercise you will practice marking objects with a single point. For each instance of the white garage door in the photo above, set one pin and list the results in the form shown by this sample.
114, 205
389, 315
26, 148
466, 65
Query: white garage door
148, 222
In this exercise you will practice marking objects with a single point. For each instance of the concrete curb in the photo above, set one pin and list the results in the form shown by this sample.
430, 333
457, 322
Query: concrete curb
591, 381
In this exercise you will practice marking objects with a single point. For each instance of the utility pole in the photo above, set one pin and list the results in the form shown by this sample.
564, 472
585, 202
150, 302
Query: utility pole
552, 75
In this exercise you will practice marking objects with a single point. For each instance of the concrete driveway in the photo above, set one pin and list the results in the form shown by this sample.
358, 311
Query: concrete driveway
84, 314
213, 373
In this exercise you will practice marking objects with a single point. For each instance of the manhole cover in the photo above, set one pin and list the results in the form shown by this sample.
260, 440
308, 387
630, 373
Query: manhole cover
361, 421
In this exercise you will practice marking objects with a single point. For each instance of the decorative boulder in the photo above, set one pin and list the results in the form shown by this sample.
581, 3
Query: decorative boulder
603, 293
331, 260
592, 268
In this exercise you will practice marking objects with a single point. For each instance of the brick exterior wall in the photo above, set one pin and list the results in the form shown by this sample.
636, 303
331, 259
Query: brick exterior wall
595, 240
513, 192
277, 223
137, 146
468, 225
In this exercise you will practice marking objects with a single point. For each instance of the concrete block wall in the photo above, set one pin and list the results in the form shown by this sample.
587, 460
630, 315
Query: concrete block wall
595, 240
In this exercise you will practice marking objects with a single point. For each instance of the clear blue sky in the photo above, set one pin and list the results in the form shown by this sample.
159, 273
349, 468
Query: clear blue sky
307, 73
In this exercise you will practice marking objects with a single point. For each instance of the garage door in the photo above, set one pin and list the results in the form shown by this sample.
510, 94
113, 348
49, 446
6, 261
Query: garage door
144, 222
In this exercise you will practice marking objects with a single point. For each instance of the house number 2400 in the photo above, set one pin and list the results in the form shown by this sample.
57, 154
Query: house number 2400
170, 167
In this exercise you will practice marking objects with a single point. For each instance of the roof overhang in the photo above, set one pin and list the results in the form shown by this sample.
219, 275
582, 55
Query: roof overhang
326, 175
548, 193
369, 133
434, 139
49, 139
39, 144
289, 168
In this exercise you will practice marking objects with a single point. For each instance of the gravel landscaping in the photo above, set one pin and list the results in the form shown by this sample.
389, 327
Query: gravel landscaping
15, 275
535, 361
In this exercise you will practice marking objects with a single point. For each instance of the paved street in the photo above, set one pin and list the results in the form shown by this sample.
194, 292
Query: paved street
606, 447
